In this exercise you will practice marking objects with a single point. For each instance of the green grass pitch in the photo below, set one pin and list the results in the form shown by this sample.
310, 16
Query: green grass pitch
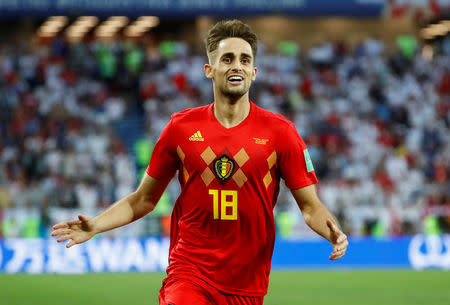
431, 287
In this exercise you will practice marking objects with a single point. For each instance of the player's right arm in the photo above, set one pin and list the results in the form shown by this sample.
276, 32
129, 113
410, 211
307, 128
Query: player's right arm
124, 211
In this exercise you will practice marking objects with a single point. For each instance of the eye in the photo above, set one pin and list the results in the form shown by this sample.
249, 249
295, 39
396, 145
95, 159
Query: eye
245, 61
226, 60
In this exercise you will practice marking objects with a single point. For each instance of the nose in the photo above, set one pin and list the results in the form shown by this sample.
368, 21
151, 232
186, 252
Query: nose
237, 66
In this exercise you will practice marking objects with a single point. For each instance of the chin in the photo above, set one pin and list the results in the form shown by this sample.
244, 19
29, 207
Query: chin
234, 93
234, 96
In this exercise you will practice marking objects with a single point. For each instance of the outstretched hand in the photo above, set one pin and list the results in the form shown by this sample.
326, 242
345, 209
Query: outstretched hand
78, 231
338, 240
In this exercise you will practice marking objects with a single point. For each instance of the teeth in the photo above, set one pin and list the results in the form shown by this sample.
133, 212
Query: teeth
235, 78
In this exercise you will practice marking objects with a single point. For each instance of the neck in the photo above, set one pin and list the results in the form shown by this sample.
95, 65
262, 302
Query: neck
231, 112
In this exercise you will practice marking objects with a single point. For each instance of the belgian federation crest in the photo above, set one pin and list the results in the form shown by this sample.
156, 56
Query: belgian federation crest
223, 167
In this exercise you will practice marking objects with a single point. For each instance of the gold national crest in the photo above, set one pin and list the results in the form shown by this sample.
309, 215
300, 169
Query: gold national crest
223, 167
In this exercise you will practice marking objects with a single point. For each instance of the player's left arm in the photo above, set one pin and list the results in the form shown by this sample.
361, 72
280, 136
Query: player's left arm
318, 218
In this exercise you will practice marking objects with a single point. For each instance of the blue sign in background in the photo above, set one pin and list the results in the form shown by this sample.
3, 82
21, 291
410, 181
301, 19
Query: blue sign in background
150, 254
191, 8
361, 253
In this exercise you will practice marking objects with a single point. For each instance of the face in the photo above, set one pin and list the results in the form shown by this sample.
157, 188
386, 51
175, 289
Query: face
232, 69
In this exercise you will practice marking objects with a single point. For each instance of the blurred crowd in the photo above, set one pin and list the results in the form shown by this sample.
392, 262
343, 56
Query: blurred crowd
377, 126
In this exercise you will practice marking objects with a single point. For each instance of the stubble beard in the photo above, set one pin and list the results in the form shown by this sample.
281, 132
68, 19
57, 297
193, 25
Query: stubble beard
235, 93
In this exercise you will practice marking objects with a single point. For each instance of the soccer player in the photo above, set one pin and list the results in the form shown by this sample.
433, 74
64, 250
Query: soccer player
230, 156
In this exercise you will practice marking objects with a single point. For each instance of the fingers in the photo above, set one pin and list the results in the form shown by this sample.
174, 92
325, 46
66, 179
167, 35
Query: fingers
61, 232
341, 243
341, 239
337, 255
66, 224
340, 247
65, 233
70, 230
71, 243
64, 238
337, 235
83, 218
73, 222
67, 237
60, 225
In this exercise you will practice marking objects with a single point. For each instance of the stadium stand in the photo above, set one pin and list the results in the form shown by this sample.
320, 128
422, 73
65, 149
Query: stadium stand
376, 124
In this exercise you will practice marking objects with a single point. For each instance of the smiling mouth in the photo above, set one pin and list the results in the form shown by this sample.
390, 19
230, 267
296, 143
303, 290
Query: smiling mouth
235, 80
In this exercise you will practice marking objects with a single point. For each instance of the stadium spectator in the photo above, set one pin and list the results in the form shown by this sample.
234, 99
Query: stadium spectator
60, 110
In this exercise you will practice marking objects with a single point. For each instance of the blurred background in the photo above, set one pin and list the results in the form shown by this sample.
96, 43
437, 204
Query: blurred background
86, 88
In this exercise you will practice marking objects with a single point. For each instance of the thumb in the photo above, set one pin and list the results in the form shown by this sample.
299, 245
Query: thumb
83, 218
331, 225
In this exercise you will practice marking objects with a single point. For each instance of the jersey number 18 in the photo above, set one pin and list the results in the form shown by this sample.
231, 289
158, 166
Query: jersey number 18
228, 198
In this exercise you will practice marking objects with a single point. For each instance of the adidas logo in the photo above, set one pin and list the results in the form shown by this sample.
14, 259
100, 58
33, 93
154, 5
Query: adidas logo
196, 137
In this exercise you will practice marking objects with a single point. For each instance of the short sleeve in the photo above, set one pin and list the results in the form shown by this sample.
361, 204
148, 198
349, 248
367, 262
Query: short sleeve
294, 162
164, 160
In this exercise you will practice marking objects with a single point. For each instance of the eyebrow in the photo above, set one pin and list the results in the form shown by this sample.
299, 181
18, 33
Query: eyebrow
232, 54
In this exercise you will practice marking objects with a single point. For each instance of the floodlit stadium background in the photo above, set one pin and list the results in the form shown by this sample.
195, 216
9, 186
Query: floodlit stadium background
87, 87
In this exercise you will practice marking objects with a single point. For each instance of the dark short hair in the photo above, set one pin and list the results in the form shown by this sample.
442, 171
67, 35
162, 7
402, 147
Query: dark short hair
228, 29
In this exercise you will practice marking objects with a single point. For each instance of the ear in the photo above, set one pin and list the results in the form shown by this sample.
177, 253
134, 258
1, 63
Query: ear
254, 72
208, 71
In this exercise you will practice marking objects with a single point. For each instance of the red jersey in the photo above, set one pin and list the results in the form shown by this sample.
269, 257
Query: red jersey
222, 227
